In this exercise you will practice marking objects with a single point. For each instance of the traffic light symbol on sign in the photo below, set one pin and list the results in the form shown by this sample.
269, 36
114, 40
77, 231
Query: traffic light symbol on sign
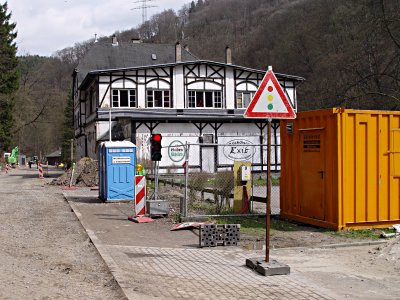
270, 97
155, 147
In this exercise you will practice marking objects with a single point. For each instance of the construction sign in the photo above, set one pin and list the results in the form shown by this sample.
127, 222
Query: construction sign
270, 101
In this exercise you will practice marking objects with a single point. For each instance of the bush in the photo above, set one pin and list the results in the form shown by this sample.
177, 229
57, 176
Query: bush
224, 183
197, 183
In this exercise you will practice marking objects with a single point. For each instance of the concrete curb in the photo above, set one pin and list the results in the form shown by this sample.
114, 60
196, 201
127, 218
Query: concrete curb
331, 246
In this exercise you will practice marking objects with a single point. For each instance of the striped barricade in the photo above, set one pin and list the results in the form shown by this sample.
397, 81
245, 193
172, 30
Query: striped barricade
140, 195
40, 171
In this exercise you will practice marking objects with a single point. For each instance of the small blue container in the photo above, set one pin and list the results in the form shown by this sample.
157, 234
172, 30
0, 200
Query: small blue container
117, 168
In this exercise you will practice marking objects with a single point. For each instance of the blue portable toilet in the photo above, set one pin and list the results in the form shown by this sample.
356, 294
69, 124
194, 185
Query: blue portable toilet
117, 168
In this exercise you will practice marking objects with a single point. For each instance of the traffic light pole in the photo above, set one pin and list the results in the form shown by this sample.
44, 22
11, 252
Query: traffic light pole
185, 209
156, 180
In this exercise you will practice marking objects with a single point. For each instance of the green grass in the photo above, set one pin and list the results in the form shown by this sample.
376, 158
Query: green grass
150, 184
256, 227
206, 207
212, 182
361, 233
262, 181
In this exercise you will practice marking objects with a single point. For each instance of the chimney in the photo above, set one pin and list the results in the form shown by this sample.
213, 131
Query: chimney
114, 40
178, 52
228, 55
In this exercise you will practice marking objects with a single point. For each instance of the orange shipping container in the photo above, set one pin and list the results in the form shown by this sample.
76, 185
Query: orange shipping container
341, 168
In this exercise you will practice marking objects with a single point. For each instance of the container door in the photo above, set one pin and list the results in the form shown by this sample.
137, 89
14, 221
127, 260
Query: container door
396, 152
312, 174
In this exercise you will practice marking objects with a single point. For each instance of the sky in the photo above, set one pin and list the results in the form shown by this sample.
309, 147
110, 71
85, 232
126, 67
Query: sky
45, 26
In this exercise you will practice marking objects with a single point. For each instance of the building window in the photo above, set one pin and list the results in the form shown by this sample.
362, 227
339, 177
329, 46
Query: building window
243, 99
158, 98
93, 101
124, 98
204, 99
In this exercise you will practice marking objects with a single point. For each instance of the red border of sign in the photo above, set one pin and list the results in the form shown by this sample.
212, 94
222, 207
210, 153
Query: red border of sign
275, 115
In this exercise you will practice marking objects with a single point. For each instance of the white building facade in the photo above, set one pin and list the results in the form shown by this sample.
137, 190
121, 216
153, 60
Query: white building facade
167, 90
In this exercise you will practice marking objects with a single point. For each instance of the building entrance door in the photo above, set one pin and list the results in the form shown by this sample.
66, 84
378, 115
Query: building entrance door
312, 174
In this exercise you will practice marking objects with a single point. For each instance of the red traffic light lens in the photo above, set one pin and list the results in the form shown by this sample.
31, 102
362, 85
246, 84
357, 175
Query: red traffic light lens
157, 137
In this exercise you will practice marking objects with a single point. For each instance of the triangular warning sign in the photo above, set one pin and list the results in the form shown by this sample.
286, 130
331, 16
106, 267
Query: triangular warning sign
270, 101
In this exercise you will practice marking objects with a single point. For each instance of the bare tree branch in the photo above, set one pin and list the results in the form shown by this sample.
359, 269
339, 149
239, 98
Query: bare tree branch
38, 115
386, 22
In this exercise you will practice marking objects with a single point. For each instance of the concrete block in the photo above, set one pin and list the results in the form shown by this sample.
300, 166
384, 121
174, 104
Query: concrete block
270, 268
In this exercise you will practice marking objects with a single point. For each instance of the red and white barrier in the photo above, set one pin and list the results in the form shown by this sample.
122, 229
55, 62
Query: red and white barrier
40, 171
140, 195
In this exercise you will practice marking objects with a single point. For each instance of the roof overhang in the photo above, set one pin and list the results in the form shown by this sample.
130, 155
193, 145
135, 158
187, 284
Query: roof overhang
174, 115
92, 74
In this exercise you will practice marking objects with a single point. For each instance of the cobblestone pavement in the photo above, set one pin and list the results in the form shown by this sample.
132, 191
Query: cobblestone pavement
172, 273
151, 262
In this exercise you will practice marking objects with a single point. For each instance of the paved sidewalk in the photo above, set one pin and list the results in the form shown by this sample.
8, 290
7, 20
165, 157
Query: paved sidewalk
149, 261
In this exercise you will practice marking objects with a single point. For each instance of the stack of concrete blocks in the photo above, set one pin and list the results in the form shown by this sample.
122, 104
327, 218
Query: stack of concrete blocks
212, 235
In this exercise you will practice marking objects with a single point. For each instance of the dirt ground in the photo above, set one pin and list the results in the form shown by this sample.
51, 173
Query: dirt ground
354, 267
283, 234
44, 251
46, 254
354, 272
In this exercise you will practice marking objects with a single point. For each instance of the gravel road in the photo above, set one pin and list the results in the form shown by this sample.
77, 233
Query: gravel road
44, 251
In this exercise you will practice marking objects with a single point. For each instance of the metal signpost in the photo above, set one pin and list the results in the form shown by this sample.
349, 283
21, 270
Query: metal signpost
269, 102
268, 213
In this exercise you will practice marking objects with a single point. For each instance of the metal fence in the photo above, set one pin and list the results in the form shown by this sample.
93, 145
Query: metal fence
201, 180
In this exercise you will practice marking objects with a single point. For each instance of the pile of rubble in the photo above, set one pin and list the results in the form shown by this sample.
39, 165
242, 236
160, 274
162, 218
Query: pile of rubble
85, 174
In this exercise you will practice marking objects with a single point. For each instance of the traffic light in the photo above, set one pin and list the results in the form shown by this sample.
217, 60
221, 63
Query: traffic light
155, 147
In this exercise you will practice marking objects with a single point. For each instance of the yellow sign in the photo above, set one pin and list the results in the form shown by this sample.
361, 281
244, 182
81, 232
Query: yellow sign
241, 202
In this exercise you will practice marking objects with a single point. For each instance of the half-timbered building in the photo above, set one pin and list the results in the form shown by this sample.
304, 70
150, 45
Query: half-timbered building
138, 89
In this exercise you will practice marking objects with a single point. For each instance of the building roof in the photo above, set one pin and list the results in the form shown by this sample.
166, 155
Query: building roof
54, 154
102, 56
198, 61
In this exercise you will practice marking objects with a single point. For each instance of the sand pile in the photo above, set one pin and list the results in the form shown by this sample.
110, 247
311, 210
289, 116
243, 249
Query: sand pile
85, 174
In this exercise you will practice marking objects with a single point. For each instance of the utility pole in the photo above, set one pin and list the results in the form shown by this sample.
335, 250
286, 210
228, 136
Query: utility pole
143, 6
72, 150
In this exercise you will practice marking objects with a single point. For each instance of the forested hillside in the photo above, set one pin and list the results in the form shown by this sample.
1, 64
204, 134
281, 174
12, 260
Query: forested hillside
348, 51
39, 102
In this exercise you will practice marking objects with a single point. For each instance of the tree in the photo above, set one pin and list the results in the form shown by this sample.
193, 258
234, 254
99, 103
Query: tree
8, 75
68, 131
44, 83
